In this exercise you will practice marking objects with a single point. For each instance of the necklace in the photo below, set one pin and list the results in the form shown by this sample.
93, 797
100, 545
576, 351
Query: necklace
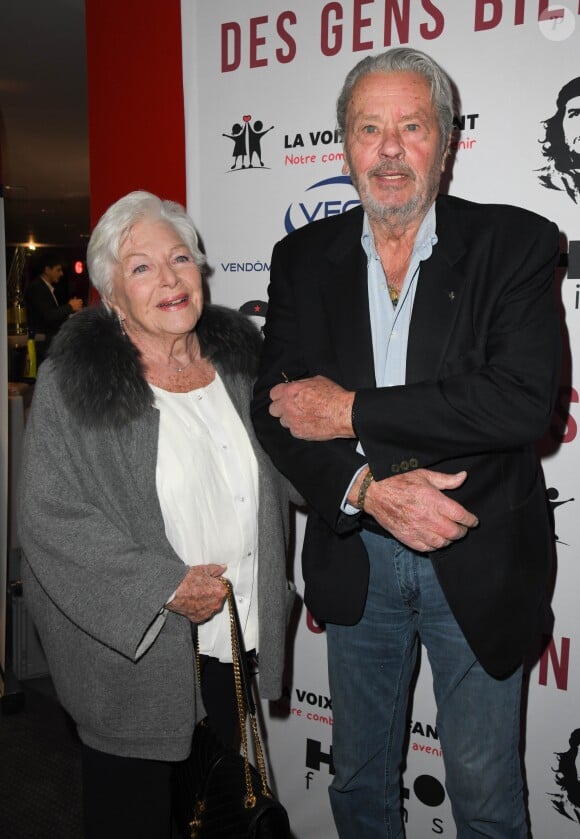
180, 369
393, 294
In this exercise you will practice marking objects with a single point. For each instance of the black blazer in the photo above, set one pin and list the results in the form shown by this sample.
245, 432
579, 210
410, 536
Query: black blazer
43, 312
482, 371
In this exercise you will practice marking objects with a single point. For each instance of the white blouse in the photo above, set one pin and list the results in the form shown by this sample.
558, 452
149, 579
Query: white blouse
207, 483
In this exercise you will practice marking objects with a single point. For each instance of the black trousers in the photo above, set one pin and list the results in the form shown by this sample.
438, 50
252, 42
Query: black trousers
130, 798
219, 697
125, 797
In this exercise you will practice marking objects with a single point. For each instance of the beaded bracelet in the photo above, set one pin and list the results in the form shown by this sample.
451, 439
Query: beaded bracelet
366, 482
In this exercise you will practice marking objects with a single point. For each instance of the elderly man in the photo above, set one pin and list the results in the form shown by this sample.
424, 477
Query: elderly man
410, 360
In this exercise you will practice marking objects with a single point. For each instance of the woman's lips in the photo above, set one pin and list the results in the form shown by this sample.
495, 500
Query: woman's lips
175, 302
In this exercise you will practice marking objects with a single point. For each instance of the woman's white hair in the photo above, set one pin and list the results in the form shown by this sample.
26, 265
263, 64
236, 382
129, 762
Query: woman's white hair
115, 225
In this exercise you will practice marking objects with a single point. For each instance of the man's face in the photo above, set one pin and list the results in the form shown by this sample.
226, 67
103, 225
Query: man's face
571, 127
392, 146
53, 273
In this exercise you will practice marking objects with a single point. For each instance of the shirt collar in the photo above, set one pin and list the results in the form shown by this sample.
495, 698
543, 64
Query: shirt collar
424, 242
49, 286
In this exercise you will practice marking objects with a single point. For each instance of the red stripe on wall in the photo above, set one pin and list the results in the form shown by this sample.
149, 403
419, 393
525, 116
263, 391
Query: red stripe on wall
135, 100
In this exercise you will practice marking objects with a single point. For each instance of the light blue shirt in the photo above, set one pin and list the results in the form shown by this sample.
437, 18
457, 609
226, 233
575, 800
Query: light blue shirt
390, 324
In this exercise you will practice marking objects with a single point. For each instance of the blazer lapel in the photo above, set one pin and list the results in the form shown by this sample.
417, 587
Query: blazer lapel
437, 302
345, 294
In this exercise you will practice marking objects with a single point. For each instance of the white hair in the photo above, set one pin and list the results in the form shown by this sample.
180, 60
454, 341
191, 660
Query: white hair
403, 59
115, 225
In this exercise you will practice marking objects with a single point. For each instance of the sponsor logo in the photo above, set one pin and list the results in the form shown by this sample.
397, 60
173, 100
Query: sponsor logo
315, 138
317, 757
247, 136
319, 142
307, 705
425, 731
460, 141
245, 267
325, 198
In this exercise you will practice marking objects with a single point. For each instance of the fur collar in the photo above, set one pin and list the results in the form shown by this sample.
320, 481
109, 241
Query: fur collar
99, 371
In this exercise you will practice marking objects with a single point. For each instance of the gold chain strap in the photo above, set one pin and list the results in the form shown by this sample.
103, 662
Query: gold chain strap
243, 710
250, 799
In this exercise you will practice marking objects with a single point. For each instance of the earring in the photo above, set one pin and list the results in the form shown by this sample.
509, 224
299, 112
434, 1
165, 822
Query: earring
121, 320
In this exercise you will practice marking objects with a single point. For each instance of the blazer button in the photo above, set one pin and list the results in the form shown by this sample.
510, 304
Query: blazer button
404, 466
395, 468
413, 463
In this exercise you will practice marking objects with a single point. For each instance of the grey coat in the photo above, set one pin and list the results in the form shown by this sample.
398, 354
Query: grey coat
97, 566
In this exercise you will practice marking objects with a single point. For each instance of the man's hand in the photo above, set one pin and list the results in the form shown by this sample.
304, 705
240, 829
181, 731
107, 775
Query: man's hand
313, 409
413, 508
200, 594
76, 304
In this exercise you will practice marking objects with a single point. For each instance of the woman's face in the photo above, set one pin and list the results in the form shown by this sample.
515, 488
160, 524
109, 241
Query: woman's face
157, 287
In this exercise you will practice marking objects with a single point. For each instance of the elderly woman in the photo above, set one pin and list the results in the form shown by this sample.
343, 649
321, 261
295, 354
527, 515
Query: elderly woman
142, 484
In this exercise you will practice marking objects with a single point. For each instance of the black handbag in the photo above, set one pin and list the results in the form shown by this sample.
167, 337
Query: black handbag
219, 793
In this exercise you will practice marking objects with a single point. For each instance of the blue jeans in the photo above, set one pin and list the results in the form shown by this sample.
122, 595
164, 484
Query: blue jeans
478, 717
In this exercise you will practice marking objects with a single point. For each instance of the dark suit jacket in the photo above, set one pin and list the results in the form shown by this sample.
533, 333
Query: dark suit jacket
482, 370
43, 313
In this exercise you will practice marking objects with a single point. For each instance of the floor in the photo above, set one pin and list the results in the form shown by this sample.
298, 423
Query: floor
40, 779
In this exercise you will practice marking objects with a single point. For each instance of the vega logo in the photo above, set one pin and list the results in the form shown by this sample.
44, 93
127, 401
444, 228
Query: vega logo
327, 198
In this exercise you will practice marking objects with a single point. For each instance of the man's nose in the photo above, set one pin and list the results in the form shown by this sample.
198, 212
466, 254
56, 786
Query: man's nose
391, 144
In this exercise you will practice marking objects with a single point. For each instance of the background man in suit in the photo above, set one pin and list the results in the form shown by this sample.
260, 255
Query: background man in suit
410, 360
45, 314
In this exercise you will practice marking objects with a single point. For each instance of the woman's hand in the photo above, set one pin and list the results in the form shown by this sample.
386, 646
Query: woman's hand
201, 594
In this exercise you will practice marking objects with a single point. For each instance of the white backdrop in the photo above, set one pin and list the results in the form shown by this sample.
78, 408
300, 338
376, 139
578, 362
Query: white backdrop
282, 64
